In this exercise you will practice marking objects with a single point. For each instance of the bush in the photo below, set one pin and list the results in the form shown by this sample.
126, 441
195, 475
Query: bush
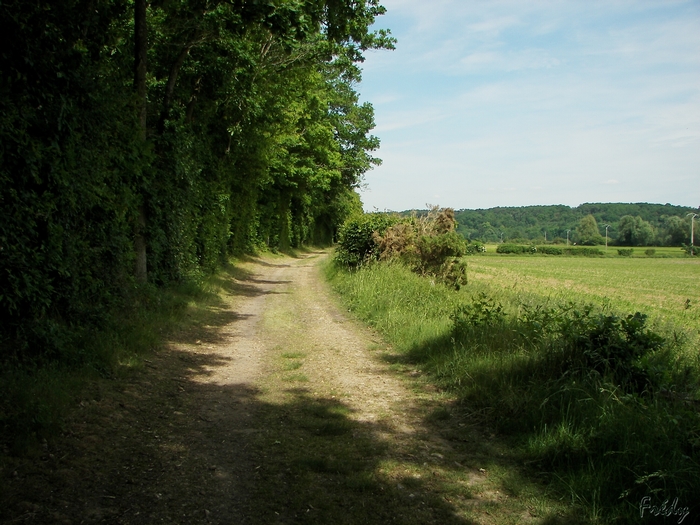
453, 272
578, 341
650, 252
429, 245
582, 251
481, 312
550, 250
475, 247
356, 238
614, 347
691, 250
513, 248
625, 252
435, 250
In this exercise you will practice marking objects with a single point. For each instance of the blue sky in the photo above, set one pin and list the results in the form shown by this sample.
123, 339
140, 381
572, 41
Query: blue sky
512, 103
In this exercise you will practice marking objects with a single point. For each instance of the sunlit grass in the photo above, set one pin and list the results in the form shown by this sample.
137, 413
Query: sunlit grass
292, 365
595, 444
296, 378
668, 290
293, 355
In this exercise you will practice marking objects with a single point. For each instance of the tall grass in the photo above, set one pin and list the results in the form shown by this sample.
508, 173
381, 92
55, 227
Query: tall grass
409, 310
36, 395
596, 404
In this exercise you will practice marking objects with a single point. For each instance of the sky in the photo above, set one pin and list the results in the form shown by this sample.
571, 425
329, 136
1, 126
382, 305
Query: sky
513, 103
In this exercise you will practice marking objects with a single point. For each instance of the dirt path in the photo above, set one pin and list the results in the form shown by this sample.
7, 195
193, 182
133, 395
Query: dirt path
274, 407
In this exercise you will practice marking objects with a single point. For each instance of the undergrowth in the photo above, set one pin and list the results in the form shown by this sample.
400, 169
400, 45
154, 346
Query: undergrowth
599, 407
36, 394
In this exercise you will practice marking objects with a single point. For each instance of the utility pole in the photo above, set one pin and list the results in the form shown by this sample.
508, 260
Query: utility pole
692, 232
567, 237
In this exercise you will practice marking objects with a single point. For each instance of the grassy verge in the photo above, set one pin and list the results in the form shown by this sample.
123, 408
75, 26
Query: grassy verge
595, 405
667, 290
36, 396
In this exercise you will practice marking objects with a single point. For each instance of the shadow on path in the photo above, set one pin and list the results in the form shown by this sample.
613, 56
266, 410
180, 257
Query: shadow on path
174, 443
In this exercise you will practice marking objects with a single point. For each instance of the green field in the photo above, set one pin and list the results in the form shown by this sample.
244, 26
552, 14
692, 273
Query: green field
665, 289
595, 406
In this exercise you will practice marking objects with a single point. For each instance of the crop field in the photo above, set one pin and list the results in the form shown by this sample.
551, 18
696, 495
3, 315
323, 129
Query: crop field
586, 368
666, 289
518, 363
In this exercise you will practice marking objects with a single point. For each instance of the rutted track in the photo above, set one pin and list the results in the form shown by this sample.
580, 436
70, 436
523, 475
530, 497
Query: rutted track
192, 437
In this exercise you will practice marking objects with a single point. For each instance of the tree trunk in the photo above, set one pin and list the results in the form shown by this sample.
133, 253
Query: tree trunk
170, 86
140, 54
283, 210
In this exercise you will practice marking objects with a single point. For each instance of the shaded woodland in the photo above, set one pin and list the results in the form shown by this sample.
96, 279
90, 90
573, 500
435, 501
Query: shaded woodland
143, 143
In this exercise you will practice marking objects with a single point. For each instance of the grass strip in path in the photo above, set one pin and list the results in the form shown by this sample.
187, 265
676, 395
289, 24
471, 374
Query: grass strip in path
270, 404
364, 438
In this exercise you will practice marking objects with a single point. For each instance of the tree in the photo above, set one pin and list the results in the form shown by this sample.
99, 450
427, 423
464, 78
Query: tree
587, 231
170, 135
140, 71
675, 231
634, 231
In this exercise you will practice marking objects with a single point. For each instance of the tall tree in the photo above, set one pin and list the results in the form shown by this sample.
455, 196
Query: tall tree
634, 231
587, 231
675, 231
140, 71
213, 126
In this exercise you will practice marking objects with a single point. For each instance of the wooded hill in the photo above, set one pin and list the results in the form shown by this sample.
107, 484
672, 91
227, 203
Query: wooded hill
147, 141
629, 224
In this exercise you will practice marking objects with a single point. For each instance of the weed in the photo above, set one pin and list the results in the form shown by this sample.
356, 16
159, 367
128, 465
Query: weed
601, 404
299, 378
293, 355
292, 365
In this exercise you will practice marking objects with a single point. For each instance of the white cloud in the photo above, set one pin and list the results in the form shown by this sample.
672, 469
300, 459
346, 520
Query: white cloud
556, 99
401, 119
494, 26
387, 98
479, 58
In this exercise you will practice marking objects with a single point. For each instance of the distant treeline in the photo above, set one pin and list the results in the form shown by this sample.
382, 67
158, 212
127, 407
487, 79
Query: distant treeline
639, 224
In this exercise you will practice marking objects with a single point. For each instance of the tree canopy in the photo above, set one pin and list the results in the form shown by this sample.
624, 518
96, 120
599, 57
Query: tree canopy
670, 223
587, 231
177, 131
634, 231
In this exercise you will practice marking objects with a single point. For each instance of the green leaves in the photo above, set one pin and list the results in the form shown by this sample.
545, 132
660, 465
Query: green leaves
254, 137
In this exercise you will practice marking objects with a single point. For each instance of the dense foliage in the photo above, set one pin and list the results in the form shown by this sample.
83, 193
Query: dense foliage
356, 238
595, 404
628, 224
428, 244
166, 136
